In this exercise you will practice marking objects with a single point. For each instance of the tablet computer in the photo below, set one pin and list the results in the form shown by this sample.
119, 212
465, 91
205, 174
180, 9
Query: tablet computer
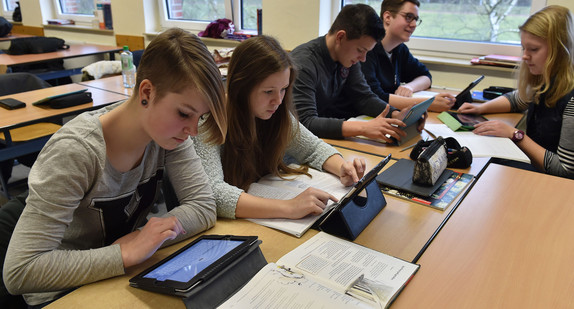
411, 119
359, 186
468, 120
193, 264
416, 112
465, 95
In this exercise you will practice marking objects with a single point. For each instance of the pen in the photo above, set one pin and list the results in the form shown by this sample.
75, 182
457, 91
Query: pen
408, 147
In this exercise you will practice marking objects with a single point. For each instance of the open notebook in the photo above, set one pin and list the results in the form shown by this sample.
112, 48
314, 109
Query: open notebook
481, 146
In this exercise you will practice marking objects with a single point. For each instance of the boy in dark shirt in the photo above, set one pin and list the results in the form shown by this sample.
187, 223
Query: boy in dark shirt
330, 86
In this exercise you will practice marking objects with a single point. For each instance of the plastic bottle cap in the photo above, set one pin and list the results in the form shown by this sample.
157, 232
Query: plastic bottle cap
126, 47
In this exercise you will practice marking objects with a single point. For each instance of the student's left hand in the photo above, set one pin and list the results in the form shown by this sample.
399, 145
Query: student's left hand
494, 128
351, 172
422, 121
404, 91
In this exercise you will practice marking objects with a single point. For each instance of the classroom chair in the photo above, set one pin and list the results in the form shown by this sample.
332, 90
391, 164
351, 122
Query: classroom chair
13, 83
9, 215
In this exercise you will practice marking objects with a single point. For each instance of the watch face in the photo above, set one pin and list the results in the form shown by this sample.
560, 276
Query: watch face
518, 136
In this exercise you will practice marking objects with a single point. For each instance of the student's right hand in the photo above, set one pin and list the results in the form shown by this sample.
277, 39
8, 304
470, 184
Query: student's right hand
139, 245
442, 102
384, 128
311, 201
469, 108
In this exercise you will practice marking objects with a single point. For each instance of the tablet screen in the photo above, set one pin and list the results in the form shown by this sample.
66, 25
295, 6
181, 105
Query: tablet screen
193, 260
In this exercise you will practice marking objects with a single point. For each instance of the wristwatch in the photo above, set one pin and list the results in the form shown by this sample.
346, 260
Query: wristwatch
517, 136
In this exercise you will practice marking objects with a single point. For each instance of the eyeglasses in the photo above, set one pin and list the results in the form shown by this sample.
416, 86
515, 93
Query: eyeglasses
409, 17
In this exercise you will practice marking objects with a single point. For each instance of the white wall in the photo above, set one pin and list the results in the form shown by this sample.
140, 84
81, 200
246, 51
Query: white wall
292, 22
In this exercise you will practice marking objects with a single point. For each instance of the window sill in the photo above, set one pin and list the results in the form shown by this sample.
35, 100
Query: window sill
79, 29
462, 63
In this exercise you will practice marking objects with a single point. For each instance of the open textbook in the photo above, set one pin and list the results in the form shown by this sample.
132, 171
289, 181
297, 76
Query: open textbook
281, 189
326, 272
479, 145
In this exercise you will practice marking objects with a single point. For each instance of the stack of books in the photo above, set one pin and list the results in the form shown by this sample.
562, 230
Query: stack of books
497, 60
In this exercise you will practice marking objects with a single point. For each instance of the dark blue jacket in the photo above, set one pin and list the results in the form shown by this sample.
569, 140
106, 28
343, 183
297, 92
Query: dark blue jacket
385, 77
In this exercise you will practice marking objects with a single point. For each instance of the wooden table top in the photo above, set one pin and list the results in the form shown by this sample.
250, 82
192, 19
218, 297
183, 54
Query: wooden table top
401, 229
75, 50
508, 245
399, 152
31, 114
112, 83
13, 36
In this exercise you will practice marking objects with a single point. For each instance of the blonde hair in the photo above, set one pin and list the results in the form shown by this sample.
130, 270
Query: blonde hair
554, 24
177, 59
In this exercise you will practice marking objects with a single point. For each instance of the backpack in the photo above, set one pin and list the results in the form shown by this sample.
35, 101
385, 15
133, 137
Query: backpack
5, 27
36, 45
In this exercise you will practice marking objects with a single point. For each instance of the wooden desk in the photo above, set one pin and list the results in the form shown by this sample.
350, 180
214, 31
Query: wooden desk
373, 147
10, 119
401, 229
112, 83
75, 50
13, 36
509, 245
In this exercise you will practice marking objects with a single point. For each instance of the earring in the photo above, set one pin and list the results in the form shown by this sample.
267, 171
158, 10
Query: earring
144, 102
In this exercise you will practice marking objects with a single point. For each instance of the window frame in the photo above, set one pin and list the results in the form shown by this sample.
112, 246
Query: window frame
450, 48
5, 12
75, 17
232, 12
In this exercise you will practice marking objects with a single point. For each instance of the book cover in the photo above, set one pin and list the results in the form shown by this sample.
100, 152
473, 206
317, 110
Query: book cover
442, 197
503, 58
326, 272
61, 22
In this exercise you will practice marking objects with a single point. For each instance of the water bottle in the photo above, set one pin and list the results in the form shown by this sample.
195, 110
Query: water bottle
128, 68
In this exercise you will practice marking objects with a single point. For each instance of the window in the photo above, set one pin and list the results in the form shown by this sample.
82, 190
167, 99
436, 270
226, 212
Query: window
77, 10
197, 14
469, 26
79, 7
9, 5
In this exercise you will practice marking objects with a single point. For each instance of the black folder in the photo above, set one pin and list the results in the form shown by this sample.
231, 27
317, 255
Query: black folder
400, 176
354, 211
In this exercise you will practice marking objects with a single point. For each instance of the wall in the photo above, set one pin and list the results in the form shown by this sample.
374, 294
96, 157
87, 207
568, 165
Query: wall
292, 22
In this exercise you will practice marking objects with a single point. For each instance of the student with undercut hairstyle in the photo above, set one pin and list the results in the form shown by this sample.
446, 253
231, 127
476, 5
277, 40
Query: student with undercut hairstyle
96, 179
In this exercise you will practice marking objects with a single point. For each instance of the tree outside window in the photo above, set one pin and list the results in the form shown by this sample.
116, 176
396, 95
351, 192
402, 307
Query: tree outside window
210, 10
494, 21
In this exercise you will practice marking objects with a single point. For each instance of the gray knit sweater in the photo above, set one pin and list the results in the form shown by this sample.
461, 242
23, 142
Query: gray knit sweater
306, 148
79, 204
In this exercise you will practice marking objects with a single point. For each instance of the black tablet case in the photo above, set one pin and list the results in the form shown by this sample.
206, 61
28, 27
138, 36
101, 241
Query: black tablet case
223, 285
400, 176
349, 220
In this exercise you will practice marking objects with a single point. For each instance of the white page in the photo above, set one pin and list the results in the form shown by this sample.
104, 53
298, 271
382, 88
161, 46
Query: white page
424, 94
277, 188
274, 287
339, 263
481, 146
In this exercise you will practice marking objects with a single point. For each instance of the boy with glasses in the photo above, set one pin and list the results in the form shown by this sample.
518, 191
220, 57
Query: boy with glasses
390, 69
330, 87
